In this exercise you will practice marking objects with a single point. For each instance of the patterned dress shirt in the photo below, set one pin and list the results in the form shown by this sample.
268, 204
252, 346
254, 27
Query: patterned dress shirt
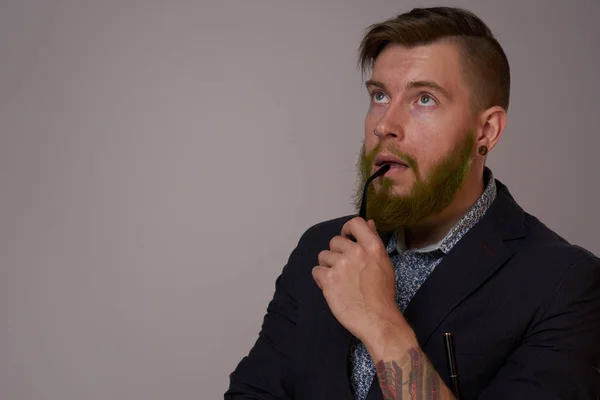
412, 267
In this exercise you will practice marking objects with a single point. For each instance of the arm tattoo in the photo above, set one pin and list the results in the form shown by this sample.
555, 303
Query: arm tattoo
390, 379
422, 381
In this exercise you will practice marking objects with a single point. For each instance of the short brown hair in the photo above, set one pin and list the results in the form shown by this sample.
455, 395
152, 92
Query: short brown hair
486, 65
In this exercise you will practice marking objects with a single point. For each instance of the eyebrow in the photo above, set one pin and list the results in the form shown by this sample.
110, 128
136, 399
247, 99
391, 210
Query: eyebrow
413, 85
373, 82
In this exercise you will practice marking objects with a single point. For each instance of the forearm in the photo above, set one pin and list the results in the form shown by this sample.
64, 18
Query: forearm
403, 369
411, 376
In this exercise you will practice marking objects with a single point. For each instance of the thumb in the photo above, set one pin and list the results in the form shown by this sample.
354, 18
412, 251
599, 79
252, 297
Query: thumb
371, 224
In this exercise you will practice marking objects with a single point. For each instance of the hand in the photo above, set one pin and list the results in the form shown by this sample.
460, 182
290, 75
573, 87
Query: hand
358, 282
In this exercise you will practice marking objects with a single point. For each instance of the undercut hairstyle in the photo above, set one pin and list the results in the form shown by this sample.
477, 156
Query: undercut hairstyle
483, 61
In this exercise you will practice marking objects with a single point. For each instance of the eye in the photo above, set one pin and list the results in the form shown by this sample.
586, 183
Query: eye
379, 98
426, 100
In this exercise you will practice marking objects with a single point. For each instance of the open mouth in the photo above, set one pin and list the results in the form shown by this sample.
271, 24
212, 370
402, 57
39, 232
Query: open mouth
397, 166
394, 163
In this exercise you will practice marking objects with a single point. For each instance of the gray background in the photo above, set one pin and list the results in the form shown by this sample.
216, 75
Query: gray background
160, 159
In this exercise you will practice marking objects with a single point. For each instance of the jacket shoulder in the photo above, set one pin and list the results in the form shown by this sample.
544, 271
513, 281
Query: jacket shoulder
325, 229
549, 244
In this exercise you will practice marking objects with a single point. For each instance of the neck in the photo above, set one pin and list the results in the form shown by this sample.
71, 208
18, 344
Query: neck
433, 229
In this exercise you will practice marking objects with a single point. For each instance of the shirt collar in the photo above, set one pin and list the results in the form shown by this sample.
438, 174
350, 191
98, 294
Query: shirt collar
475, 213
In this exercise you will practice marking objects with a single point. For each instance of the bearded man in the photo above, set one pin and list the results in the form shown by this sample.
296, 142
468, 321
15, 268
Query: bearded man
362, 306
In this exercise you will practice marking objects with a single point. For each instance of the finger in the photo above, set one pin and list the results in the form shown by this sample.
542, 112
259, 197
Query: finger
340, 244
328, 258
319, 274
350, 226
372, 225
360, 230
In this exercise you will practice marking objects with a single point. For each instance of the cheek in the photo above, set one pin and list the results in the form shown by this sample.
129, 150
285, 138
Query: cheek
433, 131
428, 120
441, 124
426, 139
371, 142
377, 110
423, 136
374, 114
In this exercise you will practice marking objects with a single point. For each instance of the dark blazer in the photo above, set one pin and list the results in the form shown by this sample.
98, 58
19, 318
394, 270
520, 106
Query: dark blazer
522, 303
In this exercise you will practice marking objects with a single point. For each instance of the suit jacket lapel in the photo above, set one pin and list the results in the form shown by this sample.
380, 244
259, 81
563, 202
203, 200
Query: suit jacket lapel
466, 267
463, 270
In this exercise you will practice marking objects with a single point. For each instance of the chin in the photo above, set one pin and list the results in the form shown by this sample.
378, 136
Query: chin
398, 189
401, 191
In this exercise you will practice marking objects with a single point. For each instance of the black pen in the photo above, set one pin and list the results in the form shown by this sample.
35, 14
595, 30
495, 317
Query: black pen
449, 345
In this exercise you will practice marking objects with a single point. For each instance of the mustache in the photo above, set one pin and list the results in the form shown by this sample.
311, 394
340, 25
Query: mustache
367, 160
394, 150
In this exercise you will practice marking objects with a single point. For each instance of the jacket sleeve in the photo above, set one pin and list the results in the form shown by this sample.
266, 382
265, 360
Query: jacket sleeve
264, 374
560, 355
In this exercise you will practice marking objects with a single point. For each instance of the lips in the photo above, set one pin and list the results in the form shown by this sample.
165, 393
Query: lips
389, 159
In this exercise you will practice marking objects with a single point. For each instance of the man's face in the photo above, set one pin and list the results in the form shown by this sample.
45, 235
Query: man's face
421, 111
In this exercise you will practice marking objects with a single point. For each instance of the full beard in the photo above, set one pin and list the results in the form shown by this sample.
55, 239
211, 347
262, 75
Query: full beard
428, 197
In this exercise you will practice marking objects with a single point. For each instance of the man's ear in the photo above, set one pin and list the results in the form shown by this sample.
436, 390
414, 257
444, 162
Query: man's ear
491, 126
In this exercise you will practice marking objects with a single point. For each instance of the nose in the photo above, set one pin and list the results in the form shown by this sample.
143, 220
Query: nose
390, 124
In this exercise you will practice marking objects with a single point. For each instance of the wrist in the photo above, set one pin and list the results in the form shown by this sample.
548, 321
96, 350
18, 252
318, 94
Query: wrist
391, 338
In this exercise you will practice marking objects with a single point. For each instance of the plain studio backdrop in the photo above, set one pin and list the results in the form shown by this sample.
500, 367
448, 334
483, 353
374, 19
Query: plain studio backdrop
160, 159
